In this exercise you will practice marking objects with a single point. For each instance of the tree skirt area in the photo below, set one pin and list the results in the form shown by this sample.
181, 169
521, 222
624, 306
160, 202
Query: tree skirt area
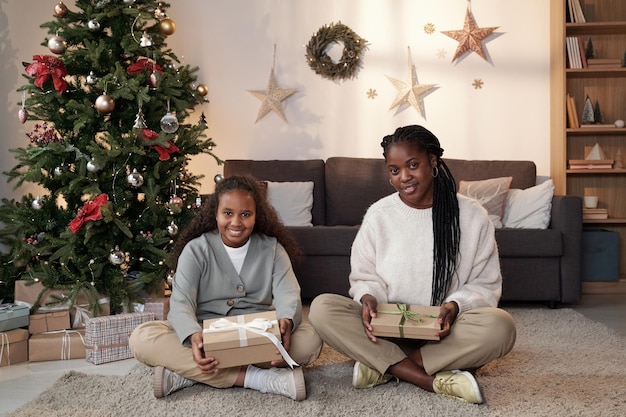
563, 364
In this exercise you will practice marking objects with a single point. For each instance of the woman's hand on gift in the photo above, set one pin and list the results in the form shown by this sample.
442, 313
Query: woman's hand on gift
369, 306
447, 315
206, 365
286, 327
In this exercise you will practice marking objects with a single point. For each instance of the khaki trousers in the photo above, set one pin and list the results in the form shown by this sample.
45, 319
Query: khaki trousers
155, 343
477, 337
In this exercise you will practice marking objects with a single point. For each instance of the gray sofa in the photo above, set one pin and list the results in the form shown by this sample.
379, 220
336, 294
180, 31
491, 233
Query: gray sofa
537, 264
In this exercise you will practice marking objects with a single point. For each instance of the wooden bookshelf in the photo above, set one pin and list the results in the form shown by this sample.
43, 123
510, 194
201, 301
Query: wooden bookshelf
606, 26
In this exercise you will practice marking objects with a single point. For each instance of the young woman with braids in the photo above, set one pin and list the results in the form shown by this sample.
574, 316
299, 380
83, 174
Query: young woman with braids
423, 245
233, 259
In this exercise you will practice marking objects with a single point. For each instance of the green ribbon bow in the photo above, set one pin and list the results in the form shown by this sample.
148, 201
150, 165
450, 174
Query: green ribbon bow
403, 309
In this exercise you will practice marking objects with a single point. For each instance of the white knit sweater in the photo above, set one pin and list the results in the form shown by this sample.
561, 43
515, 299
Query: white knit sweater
392, 256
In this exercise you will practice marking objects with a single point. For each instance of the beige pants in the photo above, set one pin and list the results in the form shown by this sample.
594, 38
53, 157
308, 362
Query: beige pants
477, 337
155, 343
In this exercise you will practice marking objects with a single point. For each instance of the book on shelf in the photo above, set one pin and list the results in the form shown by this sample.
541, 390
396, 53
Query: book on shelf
591, 164
573, 52
576, 11
595, 214
572, 116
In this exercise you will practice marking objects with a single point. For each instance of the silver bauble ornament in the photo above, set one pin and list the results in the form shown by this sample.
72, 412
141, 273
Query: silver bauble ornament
37, 204
129, 1
218, 178
172, 229
93, 25
57, 45
116, 257
135, 179
92, 167
105, 104
91, 78
169, 123
22, 115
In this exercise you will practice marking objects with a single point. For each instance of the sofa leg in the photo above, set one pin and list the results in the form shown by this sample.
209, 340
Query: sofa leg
553, 304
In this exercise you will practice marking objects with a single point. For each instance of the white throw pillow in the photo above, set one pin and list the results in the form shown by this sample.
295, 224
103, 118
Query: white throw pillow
292, 201
529, 208
491, 194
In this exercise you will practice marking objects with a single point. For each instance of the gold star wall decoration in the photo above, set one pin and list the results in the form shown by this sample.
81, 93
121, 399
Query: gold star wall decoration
471, 37
410, 92
478, 84
272, 98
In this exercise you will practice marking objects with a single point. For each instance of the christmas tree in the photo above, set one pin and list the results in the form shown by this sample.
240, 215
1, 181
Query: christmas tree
109, 144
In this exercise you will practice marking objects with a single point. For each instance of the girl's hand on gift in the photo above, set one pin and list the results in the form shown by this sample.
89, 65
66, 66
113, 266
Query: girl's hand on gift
447, 315
369, 306
286, 327
206, 365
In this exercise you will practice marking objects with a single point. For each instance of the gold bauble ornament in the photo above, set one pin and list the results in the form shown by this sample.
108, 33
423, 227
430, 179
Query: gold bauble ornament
60, 9
105, 104
202, 90
167, 27
57, 45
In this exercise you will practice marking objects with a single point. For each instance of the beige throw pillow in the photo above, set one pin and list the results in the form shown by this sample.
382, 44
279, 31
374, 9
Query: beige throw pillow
491, 194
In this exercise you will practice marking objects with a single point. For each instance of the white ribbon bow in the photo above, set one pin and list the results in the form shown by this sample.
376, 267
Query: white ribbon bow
258, 326
5, 340
66, 342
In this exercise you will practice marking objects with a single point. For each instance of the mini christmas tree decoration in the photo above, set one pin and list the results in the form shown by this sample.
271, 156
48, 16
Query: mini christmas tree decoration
588, 115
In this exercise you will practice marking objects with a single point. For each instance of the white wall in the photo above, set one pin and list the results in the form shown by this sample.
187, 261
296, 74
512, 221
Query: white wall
233, 41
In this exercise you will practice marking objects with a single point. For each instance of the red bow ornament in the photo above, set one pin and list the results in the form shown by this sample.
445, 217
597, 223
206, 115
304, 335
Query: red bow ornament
164, 152
89, 212
144, 64
46, 67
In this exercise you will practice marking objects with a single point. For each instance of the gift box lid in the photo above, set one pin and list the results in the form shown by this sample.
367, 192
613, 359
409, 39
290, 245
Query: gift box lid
13, 316
218, 334
408, 321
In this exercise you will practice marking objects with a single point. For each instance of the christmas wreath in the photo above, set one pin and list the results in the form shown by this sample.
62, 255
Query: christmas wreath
322, 64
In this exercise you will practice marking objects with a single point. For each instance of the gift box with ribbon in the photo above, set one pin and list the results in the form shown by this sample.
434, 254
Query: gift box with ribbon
244, 340
106, 338
56, 345
14, 347
406, 321
159, 306
13, 316
26, 294
48, 322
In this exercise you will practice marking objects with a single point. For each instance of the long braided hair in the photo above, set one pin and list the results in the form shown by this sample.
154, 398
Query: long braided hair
446, 229
267, 221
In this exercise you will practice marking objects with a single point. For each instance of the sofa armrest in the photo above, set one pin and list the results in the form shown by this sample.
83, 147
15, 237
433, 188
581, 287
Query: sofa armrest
567, 217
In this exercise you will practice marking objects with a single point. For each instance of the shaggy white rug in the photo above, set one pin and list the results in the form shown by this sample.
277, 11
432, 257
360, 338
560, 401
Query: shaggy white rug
563, 364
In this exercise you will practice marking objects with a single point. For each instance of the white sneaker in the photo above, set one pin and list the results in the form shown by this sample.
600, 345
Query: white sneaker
166, 382
284, 381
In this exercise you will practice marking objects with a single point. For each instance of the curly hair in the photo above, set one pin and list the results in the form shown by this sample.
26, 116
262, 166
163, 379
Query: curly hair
267, 220
446, 226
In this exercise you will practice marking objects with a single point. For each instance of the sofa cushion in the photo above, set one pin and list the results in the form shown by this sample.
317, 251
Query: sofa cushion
529, 208
491, 194
292, 201
352, 185
529, 243
282, 171
524, 173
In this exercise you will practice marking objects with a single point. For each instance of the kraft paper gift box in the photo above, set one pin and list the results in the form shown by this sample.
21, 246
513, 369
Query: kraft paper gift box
14, 347
48, 322
159, 306
406, 321
232, 344
106, 338
57, 345
27, 294
13, 316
